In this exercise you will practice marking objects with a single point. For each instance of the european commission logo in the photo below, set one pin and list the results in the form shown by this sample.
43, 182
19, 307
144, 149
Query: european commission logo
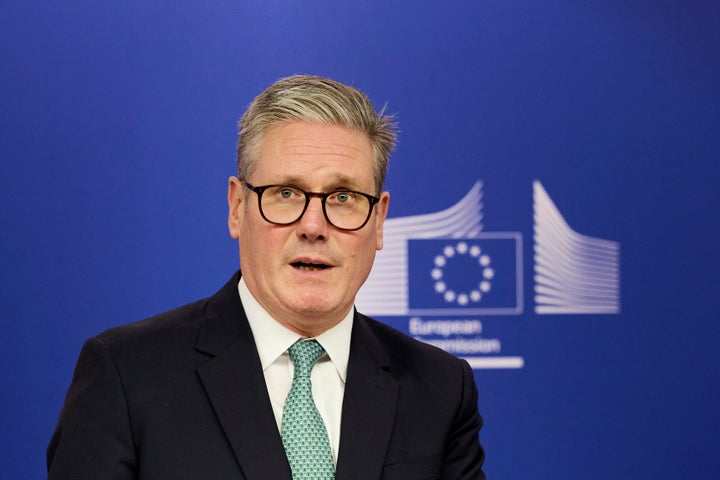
469, 276
433, 265
444, 264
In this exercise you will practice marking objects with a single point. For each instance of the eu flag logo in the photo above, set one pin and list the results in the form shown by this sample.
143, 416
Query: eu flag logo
479, 275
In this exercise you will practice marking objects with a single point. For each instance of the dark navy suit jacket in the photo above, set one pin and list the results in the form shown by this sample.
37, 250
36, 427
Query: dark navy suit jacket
182, 396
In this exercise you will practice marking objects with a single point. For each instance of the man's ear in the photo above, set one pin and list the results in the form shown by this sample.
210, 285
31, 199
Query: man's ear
235, 198
382, 210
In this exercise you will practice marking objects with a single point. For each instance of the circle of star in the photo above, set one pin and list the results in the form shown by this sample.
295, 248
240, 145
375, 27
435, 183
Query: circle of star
462, 249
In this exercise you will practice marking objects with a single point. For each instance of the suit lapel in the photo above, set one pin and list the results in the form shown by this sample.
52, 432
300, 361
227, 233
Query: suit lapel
236, 388
368, 407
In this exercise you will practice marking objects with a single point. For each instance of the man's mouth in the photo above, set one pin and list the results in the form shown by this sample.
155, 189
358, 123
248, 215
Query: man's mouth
309, 266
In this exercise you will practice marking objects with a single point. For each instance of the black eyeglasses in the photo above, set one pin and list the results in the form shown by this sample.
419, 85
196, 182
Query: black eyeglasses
284, 204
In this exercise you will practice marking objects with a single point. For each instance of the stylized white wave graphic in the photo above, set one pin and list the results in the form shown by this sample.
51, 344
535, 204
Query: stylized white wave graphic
386, 290
573, 273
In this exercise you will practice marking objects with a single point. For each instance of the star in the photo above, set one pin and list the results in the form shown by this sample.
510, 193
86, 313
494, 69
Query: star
462, 249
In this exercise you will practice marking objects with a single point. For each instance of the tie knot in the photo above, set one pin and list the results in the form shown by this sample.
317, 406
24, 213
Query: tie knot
304, 354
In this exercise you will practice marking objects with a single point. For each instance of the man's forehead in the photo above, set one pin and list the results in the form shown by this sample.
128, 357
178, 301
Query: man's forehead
314, 155
310, 181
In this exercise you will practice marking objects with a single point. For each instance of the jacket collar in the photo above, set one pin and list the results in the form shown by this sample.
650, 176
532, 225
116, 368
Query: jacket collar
368, 407
235, 386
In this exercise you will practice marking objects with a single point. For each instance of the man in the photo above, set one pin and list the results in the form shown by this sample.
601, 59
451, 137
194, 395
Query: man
221, 389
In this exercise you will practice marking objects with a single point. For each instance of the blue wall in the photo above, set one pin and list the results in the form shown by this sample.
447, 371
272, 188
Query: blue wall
117, 134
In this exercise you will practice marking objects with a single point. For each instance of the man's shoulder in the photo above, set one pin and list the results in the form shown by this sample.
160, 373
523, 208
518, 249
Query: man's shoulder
180, 324
169, 326
406, 351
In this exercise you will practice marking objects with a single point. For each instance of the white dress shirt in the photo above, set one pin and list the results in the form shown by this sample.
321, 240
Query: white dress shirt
328, 376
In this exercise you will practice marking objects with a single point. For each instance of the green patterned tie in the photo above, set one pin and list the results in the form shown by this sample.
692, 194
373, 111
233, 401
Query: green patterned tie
304, 436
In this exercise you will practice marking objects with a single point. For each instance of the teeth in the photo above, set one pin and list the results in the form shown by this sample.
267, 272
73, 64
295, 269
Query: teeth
309, 266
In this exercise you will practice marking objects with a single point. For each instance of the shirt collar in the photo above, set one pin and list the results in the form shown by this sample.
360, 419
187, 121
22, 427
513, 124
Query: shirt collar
272, 339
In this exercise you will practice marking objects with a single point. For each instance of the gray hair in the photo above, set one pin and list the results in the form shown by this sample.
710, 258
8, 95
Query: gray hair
320, 100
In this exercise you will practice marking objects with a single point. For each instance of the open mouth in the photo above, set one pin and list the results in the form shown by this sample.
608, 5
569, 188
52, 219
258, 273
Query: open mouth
310, 266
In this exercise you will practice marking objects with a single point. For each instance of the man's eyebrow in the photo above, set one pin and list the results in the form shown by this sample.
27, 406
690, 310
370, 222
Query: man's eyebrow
339, 182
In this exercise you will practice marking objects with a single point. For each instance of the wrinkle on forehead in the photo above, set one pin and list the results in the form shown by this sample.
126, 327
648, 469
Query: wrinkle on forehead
318, 155
301, 145
332, 183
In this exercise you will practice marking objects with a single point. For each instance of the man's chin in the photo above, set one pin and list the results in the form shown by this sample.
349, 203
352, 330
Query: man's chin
315, 306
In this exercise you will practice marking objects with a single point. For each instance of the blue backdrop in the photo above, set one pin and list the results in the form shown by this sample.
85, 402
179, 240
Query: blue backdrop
584, 137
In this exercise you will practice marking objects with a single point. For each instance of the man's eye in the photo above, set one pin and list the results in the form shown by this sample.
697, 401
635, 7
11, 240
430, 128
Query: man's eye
343, 197
286, 193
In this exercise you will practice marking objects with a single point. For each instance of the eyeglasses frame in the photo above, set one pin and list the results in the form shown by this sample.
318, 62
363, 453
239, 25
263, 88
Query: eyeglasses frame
259, 190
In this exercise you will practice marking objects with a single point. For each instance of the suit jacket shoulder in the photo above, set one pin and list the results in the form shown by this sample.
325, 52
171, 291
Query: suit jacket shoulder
410, 410
407, 353
180, 395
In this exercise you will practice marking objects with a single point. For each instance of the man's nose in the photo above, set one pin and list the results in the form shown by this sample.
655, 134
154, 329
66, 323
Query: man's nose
313, 225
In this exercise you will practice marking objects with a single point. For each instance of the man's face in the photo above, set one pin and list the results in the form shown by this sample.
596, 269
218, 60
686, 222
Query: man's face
274, 258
